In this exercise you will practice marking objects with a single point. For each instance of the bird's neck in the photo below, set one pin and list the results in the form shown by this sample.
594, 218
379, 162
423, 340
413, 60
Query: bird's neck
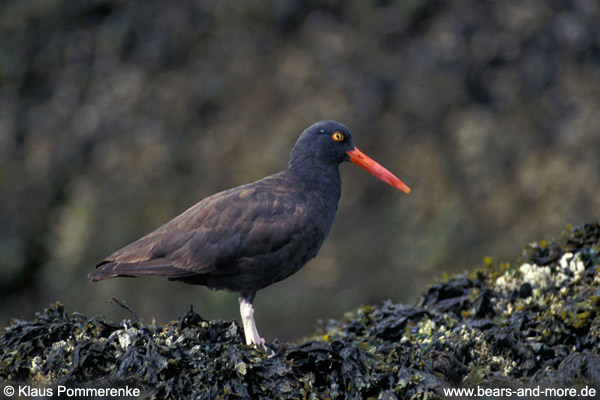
324, 179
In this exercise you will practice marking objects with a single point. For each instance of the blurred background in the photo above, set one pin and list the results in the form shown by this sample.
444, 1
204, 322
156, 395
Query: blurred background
115, 116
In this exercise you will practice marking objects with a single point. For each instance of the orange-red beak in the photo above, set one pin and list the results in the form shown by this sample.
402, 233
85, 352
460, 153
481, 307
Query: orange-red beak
359, 158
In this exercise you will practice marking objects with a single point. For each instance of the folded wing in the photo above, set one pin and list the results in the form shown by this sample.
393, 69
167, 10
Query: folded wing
210, 237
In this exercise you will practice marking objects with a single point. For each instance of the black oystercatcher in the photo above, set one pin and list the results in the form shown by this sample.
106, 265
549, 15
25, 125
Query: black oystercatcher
249, 237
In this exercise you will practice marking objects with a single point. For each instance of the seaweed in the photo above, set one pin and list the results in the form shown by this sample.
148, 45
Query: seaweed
510, 326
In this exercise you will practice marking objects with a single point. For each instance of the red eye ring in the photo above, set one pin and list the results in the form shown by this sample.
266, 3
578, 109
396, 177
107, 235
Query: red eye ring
337, 136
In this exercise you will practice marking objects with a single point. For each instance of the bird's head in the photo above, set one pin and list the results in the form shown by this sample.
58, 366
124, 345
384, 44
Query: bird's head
330, 142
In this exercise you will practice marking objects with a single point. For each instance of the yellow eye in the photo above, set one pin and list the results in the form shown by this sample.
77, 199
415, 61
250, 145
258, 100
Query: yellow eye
338, 136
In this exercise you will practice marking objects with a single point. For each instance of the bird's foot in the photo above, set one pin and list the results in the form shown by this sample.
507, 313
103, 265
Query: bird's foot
259, 343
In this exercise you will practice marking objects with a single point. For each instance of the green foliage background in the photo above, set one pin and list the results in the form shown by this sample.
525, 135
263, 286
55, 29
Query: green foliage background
117, 115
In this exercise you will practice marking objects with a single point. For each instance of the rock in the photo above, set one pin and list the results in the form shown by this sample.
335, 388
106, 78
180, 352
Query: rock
537, 324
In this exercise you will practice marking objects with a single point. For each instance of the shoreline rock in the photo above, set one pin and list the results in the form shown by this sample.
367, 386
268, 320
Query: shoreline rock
535, 322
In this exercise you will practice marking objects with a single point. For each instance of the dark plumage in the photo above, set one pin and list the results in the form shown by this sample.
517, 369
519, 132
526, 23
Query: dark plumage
252, 236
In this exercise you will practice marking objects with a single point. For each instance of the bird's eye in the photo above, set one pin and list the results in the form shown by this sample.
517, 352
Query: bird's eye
338, 136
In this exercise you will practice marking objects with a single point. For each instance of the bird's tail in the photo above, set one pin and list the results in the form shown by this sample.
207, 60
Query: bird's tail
160, 267
104, 270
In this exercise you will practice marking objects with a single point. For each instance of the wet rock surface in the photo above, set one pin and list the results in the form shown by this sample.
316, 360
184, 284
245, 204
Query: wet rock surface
531, 322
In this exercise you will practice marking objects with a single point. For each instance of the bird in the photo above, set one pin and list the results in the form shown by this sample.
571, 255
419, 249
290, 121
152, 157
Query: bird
249, 237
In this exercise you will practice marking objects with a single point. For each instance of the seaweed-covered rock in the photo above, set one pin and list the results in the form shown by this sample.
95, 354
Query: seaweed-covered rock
538, 321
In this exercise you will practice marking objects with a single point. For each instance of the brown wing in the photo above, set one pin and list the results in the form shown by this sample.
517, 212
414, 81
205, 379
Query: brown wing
246, 221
